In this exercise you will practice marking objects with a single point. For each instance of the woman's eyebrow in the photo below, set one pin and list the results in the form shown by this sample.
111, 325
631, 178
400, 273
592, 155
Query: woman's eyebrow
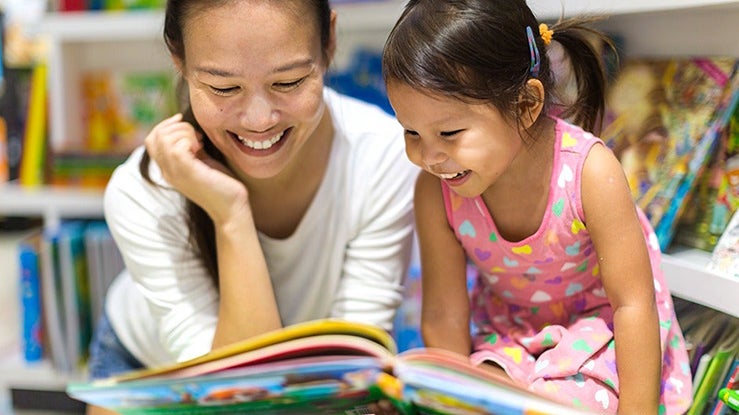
229, 74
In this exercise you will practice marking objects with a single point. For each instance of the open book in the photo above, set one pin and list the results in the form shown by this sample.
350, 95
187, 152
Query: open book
319, 367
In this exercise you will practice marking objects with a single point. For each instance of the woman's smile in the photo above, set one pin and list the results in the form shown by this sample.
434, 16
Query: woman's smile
262, 146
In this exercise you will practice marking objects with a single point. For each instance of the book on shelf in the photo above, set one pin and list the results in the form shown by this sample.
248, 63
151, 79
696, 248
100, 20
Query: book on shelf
104, 263
316, 367
119, 108
52, 302
82, 169
725, 256
664, 119
13, 111
721, 358
78, 260
75, 290
712, 340
730, 382
30, 297
33, 156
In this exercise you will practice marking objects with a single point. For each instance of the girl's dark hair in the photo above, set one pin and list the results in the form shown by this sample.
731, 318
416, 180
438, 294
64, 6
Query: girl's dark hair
177, 13
478, 51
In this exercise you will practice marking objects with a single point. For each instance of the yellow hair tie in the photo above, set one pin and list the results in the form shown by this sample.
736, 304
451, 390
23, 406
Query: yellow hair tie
546, 34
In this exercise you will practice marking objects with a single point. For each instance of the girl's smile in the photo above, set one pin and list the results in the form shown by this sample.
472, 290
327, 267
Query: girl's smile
469, 146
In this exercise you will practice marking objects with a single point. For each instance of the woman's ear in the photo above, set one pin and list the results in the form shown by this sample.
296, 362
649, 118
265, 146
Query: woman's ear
331, 47
530, 103
179, 65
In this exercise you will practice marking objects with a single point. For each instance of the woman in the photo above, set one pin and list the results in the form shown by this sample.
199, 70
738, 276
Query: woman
271, 200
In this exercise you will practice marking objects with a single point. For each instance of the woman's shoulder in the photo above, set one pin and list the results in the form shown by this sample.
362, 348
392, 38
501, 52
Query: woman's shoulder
358, 120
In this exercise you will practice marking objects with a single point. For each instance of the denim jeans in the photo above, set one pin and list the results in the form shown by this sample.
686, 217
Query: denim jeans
108, 356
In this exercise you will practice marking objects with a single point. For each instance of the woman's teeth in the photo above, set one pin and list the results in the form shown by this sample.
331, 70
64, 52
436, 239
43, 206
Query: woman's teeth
261, 145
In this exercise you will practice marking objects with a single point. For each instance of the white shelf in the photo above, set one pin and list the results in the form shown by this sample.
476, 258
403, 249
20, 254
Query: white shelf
547, 9
685, 270
38, 375
50, 203
97, 26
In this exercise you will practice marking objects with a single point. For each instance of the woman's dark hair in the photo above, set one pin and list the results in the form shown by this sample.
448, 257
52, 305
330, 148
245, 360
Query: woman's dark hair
177, 13
478, 51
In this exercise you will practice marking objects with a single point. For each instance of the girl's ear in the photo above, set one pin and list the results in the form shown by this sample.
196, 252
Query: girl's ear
530, 103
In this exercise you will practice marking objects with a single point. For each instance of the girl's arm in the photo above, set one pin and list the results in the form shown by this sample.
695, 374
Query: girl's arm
625, 269
445, 313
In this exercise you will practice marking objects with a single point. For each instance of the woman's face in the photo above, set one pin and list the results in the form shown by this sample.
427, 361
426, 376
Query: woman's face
255, 70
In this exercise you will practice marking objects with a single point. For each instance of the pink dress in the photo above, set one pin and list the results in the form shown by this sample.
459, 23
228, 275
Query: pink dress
539, 306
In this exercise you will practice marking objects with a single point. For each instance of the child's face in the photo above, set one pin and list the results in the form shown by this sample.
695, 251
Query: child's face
469, 146
255, 76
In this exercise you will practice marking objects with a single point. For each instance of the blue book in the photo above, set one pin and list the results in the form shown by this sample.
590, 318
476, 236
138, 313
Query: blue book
30, 295
75, 291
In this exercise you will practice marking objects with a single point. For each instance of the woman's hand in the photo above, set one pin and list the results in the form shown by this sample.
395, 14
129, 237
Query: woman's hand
178, 151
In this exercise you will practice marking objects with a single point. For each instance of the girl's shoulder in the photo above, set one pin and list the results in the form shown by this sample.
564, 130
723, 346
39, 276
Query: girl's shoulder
570, 135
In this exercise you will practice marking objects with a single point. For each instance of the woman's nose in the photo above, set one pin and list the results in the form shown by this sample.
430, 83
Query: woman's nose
258, 113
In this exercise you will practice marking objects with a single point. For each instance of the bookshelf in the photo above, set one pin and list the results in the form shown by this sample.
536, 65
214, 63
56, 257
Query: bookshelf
51, 204
79, 41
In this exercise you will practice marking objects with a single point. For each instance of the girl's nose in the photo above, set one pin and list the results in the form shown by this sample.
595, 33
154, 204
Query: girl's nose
432, 156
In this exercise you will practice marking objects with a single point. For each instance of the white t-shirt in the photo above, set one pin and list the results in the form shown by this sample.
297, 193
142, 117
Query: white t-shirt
346, 259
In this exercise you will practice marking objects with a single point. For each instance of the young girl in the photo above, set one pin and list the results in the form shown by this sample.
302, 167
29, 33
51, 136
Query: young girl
570, 300
270, 201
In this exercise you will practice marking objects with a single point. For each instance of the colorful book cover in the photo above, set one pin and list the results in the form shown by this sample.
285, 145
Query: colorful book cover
731, 382
30, 295
725, 256
317, 367
119, 108
663, 120
722, 357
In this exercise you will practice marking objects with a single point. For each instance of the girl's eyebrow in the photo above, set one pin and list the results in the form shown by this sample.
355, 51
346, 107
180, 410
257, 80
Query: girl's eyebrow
228, 74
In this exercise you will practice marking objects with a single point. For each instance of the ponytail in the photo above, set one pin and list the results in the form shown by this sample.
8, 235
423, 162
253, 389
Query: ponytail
583, 45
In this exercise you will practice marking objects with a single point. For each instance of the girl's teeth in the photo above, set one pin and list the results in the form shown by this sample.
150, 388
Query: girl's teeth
261, 145
450, 176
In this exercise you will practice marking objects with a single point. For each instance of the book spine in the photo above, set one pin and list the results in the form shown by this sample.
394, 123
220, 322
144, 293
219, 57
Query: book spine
34, 141
53, 312
4, 167
75, 291
30, 293
732, 381
13, 110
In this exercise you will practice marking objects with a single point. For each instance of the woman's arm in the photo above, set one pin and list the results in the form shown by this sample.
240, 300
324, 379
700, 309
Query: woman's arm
376, 257
625, 269
245, 305
148, 224
445, 314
